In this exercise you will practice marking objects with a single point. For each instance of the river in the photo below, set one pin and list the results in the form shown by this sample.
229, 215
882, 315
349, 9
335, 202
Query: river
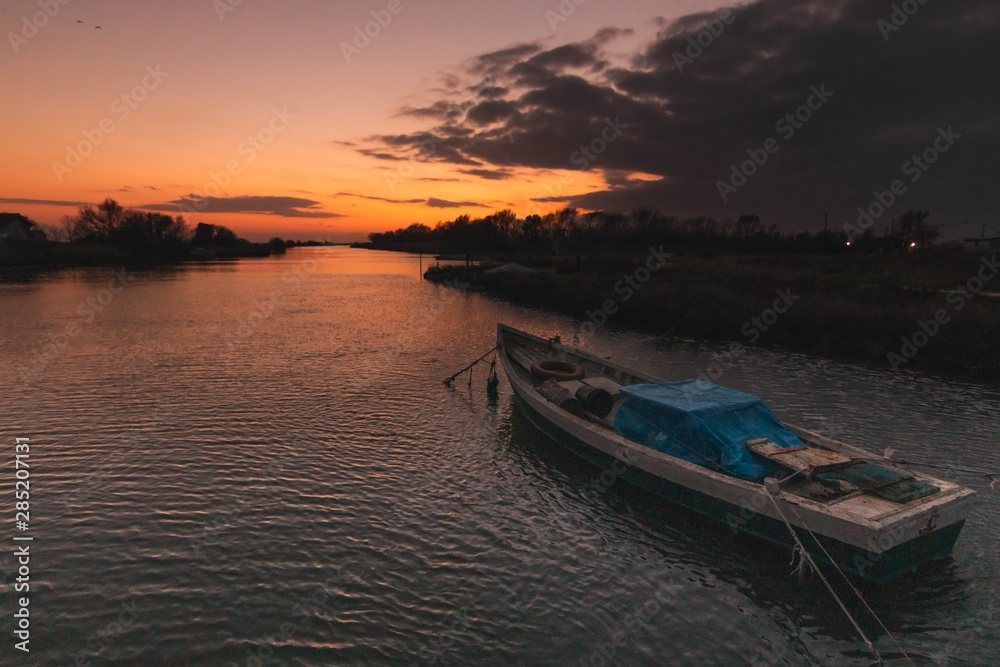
257, 463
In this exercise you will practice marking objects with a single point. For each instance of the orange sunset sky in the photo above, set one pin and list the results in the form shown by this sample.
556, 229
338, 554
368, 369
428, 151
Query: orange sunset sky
278, 119
165, 97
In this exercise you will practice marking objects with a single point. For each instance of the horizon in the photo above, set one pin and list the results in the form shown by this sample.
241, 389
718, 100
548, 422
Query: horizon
789, 109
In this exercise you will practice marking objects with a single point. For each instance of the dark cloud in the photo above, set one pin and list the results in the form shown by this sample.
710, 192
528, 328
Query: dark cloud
285, 207
490, 92
490, 65
492, 111
489, 174
43, 202
441, 109
380, 155
542, 65
434, 202
688, 113
605, 35
385, 199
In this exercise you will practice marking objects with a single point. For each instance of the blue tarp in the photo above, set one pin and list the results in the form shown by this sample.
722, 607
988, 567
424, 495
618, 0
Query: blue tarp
702, 423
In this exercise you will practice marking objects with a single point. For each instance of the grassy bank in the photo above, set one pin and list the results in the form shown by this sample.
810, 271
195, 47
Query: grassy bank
852, 308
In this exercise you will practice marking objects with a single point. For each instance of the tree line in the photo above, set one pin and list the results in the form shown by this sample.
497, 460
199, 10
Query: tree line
143, 233
503, 230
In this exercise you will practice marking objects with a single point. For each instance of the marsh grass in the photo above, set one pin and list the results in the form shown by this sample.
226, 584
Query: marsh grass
852, 308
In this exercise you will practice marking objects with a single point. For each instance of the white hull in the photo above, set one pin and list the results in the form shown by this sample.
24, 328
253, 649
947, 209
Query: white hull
870, 527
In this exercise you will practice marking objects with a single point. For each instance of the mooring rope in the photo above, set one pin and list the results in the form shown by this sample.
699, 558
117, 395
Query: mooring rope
853, 587
469, 367
808, 556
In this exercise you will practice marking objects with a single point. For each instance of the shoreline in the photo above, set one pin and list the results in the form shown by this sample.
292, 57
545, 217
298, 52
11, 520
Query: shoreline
827, 307
95, 256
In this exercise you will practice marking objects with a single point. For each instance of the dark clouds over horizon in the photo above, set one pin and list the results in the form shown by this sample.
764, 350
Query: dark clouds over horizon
533, 107
287, 207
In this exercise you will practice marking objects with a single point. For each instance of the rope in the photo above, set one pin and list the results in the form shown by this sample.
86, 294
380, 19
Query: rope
812, 563
852, 586
469, 367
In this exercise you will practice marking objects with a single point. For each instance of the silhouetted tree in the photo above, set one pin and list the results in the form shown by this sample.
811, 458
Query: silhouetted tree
208, 236
99, 223
747, 226
141, 231
914, 227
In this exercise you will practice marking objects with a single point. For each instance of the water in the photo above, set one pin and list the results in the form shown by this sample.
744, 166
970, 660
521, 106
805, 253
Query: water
256, 463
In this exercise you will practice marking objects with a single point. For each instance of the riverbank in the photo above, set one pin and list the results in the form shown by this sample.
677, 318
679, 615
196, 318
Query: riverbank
29, 258
929, 314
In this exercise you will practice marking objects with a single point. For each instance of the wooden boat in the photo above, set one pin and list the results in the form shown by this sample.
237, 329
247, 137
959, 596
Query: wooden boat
872, 518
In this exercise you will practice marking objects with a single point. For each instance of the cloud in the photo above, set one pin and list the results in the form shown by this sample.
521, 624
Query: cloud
43, 202
434, 202
285, 207
687, 122
489, 174
385, 199
491, 111
490, 92
440, 109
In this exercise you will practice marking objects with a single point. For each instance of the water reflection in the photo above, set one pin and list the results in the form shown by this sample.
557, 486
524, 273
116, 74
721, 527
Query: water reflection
222, 477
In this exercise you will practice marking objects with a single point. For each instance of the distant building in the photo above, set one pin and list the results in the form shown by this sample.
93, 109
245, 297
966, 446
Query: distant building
16, 226
992, 243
